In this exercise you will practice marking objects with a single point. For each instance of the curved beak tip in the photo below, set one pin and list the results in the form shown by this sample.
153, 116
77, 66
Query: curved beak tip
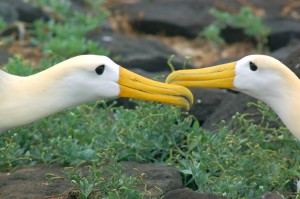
135, 86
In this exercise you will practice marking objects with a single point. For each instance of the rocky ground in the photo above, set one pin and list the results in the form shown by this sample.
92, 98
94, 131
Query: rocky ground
144, 33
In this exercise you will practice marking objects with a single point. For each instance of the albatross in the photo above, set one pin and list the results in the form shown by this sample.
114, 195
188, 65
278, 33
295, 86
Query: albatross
80, 79
260, 76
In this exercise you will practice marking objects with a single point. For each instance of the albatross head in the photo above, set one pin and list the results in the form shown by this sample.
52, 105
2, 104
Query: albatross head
259, 76
93, 77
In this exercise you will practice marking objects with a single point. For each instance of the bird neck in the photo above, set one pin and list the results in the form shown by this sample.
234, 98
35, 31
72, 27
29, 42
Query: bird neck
287, 107
26, 99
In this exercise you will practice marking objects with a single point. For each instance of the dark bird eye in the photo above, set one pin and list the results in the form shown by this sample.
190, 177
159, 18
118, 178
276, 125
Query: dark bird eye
100, 69
253, 67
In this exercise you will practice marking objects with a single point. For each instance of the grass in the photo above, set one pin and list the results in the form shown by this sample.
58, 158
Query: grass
239, 159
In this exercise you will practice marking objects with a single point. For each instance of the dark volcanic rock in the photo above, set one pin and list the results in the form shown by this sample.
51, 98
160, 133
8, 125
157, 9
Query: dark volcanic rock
282, 53
18, 10
171, 17
31, 182
228, 108
145, 53
238, 103
283, 31
188, 18
4, 56
157, 176
206, 102
7, 12
293, 61
272, 195
188, 194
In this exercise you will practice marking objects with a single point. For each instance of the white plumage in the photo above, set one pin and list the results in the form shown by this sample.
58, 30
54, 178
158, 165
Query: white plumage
72, 82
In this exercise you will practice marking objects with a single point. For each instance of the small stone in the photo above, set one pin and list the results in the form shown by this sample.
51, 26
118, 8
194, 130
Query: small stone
188, 194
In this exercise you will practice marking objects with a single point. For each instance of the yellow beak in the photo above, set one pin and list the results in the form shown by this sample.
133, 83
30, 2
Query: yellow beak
135, 86
220, 76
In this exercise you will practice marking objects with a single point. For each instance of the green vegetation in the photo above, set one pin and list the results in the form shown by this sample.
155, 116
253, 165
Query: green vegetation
242, 159
2, 24
16, 66
213, 34
186, 62
104, 178
63, 35
251, 25
239, 159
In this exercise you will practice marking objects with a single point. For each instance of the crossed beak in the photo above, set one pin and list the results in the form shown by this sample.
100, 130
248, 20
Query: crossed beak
220, 76
133, 85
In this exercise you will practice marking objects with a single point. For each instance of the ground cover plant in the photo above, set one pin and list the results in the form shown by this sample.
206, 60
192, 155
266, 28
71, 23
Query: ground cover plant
233, 161
238, 160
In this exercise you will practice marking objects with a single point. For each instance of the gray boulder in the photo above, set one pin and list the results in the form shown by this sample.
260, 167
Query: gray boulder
206, 102
148, 54
189, 194
188, 18
19, 10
